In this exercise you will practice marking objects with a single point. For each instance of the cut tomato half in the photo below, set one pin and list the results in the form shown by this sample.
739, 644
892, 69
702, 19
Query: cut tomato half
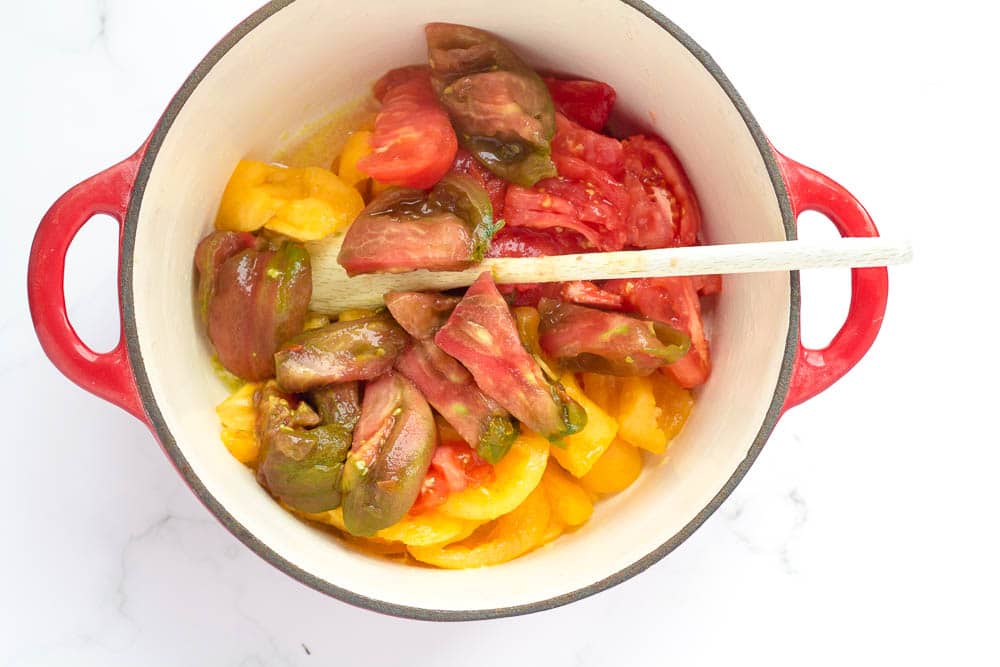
413, 144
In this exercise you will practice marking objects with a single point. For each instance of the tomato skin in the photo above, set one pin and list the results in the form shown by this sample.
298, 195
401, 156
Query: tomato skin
395, 77
413, 144
588, 103
496, 187
673, 301
482, 335
663, 208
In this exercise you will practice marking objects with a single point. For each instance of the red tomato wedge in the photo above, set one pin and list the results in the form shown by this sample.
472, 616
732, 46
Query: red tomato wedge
597, 179
450, 390
601, 151
673, 301
461, 466
482, 335
413, 144
395, 77
566, 205
663, 208
583, 339
433, 491
588, 103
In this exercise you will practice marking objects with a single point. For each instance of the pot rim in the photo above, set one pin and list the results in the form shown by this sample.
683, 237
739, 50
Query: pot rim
343, 594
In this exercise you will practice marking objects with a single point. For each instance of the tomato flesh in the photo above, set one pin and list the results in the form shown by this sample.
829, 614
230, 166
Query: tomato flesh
454, 467
413, 144
586, 293
663, 210
588, 103
599, 150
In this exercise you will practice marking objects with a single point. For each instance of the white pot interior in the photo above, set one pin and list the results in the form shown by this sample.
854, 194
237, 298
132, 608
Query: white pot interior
314, 55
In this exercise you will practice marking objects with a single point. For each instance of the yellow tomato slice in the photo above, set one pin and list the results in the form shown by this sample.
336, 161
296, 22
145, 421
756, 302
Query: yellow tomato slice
305, 203
515, 476
582, 449
427, 528
424, 529
675, 403
638, 415
357, 146
238, 412
615, 470
570, 504
242, 445
510, 536
238, 416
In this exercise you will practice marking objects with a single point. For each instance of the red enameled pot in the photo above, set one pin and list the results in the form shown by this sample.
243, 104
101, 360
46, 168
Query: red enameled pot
242, 99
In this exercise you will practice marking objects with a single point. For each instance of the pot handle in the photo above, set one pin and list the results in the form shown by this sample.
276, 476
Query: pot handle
109, 374
815, 370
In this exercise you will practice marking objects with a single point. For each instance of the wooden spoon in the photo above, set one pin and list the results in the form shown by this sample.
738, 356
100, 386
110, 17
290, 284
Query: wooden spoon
334, 291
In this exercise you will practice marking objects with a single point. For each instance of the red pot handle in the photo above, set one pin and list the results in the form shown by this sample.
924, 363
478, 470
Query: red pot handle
108, 375
816, 370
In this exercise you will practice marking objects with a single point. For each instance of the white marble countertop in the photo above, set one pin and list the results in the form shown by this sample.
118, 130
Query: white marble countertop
867, 530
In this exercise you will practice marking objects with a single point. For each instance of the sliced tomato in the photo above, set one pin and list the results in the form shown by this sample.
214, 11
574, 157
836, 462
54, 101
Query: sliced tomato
663, 208
586, 293
513, 241
399, 231
496, 187
590, 340
454, 467
413, 144
420, 314
482, 335
601, 151
523, 242
567, 205
592, 209
673, 301
536, 209
449, 388
588, 103
395, 77
461, 466
597, 179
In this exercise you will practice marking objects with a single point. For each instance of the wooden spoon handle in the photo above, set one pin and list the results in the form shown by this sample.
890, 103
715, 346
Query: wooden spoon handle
334, 291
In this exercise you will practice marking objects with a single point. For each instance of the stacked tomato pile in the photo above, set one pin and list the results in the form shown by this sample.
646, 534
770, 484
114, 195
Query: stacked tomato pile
384, 416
